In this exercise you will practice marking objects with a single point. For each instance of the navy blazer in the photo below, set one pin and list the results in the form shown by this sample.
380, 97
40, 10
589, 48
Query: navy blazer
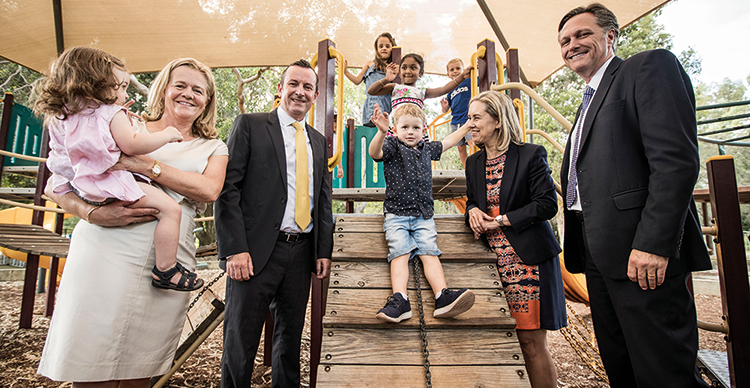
252, 203
637, 167
527, 198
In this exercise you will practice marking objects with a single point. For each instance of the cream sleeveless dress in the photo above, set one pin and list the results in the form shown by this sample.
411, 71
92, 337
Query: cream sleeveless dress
109, 322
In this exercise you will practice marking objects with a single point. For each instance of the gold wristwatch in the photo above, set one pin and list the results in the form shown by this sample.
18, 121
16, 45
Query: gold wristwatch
155, 170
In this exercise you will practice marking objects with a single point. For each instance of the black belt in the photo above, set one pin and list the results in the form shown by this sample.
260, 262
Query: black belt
292, 237
578, 214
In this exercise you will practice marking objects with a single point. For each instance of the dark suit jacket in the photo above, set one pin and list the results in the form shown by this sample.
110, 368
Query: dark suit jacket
637, 166
527, 198
251, 205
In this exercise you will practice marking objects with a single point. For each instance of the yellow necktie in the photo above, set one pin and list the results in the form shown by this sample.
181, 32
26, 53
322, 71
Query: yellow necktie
302, 199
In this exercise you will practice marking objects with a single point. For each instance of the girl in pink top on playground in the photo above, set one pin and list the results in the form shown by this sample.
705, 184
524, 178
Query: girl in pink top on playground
410, 70
82, 104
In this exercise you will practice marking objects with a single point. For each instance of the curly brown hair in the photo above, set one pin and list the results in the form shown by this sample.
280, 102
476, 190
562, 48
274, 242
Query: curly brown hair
80, 78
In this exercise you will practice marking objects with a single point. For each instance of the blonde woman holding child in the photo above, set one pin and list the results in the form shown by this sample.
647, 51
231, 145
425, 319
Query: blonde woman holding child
82, 104
111, 327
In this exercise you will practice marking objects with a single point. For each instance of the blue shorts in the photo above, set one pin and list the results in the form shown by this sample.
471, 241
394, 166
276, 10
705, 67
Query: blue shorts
406, 234
467, 137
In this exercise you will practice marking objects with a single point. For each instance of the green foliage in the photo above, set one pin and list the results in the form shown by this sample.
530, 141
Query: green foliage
645, 34
691, 61
139, 100
715, 93
258, 94
354, 97
18, 80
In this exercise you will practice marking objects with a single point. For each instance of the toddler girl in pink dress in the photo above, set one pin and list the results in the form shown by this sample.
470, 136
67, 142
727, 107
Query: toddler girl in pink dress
81, 102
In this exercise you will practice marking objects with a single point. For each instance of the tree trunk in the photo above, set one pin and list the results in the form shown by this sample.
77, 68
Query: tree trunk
207, 235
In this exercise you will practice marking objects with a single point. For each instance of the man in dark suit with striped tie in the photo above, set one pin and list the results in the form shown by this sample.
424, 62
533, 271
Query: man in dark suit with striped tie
628, 173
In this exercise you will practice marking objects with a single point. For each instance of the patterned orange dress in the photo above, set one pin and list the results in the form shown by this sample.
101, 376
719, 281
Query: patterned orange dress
521, 282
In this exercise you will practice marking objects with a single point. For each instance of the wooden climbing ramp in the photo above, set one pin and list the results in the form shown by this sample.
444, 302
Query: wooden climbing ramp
476, 349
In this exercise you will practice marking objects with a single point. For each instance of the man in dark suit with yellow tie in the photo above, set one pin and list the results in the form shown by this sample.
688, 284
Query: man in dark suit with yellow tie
274, 227
628, 173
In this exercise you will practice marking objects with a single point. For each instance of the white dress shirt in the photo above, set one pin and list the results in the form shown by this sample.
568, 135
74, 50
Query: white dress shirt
593, 84
288, 131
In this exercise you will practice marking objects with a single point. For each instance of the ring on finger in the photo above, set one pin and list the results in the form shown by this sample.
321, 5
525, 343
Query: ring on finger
653, 275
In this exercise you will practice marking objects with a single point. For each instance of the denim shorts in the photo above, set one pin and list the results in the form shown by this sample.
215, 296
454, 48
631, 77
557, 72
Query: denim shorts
406, 234
467, 137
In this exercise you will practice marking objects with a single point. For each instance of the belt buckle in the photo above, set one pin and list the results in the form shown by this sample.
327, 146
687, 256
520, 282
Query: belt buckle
291, 237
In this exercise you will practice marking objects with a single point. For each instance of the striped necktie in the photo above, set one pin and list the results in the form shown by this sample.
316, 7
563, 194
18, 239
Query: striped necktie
570, 196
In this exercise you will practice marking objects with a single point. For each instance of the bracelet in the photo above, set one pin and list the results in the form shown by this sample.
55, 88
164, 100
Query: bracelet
88, 215
454, 80
381, 82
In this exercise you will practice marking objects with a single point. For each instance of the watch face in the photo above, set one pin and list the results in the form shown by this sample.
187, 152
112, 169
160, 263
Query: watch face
156, 169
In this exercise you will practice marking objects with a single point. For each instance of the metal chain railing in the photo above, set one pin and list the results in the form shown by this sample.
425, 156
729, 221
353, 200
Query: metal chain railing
582, 346
422, 325
206, 287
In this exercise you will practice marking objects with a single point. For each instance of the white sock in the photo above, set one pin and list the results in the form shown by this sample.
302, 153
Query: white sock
438, 294
404, 296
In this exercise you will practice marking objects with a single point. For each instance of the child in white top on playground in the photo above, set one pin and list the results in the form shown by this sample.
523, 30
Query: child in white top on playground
410, 70
82, 103
409, 208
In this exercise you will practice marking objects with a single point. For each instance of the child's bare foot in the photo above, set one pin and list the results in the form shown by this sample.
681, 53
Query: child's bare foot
177, 278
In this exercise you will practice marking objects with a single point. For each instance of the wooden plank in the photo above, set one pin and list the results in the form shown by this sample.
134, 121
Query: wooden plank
58, 251
732, 260
377, 275
373, 223
370, 245
23, 229
28, 171
702, 195
348, 307
17, 193
373, 194
200, 328
447, 347
446, 184
33, 239
198, 312
48, 239
365, 376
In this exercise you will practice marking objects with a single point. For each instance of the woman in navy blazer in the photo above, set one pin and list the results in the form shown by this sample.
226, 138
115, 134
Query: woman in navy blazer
511, 195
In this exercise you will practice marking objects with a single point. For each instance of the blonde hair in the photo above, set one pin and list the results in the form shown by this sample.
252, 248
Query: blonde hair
80, 78
500, 107
453, 60
409, 110
205, 125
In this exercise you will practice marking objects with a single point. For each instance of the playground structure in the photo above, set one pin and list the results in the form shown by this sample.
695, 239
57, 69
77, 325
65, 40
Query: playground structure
739, 284
336, 322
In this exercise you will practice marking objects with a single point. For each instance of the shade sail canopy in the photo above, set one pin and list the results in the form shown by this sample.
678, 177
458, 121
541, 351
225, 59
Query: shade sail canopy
230, 33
